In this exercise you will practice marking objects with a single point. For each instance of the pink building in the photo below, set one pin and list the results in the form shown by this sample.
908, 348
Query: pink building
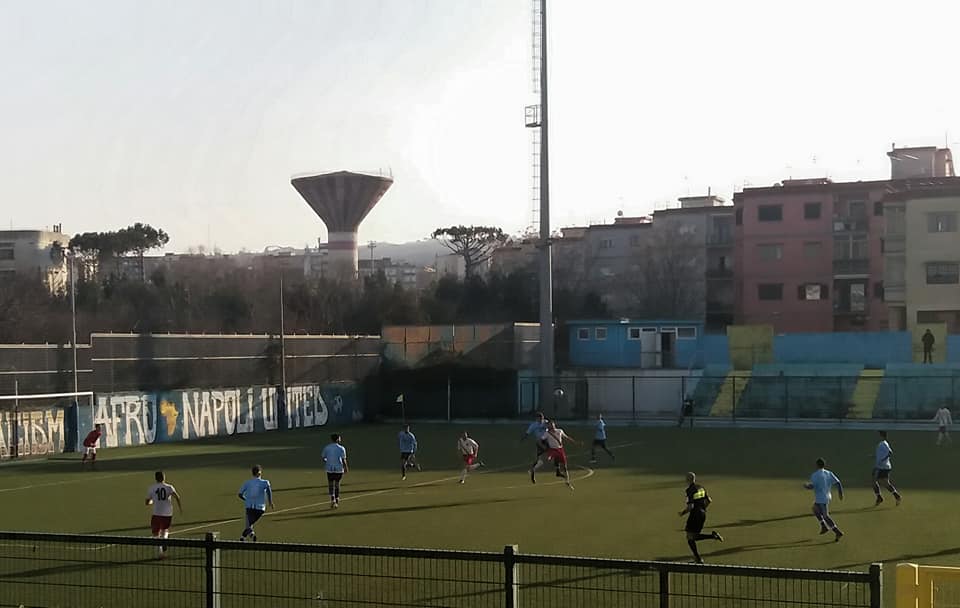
808, 256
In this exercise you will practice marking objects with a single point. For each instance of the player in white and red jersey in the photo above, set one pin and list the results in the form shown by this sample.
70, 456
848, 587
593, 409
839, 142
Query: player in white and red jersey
554, 438
160, 496
470, 452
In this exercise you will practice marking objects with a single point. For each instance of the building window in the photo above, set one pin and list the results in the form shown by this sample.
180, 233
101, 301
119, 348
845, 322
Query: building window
941, 222
7, 275
633, 333
811, 250
738, 217
635, 240
878, 208
943, 273
6, 251
813, 291
686, 333
878, 290
770, 213
770, 291
770, 252
606, 244
811, 211
600, 333
583, 333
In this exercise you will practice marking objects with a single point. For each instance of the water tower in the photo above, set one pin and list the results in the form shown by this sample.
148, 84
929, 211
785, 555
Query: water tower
342, 199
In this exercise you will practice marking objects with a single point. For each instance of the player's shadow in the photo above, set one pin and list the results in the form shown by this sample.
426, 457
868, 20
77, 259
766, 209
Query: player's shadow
74, 568
744, 523
356, 489
740, 549
136, 528
904, 558
346, 512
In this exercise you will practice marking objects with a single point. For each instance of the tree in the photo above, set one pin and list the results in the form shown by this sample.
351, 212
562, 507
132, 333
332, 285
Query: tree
96, 249
473, 243
669, 277
141, 238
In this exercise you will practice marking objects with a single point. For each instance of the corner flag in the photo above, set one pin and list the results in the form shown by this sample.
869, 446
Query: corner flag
400, 398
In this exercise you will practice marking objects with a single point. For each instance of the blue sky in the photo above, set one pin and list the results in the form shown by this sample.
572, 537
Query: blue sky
192, 115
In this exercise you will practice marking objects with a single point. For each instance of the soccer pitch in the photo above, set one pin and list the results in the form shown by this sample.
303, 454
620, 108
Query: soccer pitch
627, 509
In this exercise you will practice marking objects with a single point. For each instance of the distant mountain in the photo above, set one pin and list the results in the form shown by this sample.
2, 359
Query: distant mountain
419, 253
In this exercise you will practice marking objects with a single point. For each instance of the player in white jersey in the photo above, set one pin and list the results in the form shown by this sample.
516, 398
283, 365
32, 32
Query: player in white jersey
944, 420
160, 496
469, 451
555, 452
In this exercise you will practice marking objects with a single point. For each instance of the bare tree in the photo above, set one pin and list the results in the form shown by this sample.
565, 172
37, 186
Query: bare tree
473, 243
668, 278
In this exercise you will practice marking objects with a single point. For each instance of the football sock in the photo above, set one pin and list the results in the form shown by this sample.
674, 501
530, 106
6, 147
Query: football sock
693, 547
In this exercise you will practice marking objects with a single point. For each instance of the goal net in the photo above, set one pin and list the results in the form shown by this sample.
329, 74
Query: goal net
40, 424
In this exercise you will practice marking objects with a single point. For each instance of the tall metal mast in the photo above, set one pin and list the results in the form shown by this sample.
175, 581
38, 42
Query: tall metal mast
536, 118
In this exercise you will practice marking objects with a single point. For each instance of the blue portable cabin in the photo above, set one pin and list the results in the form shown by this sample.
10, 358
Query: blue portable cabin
636, 343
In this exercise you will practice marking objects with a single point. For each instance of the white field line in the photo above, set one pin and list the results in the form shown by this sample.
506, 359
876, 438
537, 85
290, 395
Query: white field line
85, 477
590, 473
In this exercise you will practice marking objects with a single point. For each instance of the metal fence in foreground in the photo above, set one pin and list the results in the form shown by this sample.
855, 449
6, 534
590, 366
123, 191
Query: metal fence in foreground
84, 571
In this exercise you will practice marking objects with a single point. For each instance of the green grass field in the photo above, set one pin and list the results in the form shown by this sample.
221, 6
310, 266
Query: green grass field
627, 509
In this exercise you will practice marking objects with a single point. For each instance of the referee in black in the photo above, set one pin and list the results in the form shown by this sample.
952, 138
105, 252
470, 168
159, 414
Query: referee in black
697, 503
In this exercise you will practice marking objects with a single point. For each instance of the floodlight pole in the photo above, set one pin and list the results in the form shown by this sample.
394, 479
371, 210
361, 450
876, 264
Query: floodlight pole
547, 370
73, 319
283, 345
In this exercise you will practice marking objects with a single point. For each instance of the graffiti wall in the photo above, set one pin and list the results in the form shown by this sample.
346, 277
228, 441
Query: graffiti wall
141, 418
32, 432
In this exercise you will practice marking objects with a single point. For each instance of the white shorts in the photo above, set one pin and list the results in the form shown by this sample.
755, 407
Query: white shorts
90, 451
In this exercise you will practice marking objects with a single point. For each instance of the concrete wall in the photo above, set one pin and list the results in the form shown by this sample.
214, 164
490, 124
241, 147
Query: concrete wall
871, 349
631, 393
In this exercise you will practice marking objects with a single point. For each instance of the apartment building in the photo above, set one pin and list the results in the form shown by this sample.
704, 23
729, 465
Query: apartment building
922, 255
807, 256
810, 254
34, 253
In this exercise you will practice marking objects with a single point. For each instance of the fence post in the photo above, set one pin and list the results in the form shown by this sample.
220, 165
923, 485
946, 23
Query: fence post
786, 398
511, 578
733, 398
664, 588
633, 397
212, 554
876, 585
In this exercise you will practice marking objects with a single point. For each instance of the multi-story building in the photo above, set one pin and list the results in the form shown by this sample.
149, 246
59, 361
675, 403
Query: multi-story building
35, 253
699, 236
922, 255
809, 253
807, 256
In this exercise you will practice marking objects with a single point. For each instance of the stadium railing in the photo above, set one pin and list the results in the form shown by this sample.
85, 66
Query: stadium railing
927, 586
743, 395
55, 570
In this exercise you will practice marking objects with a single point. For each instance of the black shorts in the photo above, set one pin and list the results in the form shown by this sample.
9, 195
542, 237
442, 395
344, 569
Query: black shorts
696, 521
253, 516
541, 447
334, 476
600, 442
405, 456
881, 473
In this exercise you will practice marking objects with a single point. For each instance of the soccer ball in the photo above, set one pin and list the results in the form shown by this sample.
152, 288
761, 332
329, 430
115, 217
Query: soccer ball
558, 393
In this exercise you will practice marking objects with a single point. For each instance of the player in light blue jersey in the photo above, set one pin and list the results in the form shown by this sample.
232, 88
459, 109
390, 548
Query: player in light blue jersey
881, 470
821, 482
335, 462
408, 451
538, 430
600, 440
256, 494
